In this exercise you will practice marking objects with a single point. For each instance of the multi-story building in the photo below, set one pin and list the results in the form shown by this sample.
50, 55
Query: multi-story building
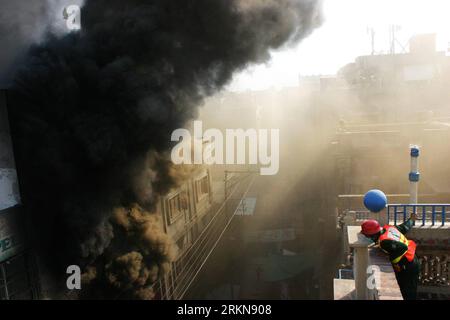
190, 217
18, 278
186, 213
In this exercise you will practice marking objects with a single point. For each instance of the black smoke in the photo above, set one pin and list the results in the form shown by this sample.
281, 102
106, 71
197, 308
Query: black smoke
92, 113
23, 23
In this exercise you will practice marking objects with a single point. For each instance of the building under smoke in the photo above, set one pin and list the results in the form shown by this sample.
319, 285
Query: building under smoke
18, 273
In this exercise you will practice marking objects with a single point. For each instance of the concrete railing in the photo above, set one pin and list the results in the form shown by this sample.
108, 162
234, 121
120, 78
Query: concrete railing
432, 224
365, 255
360, 245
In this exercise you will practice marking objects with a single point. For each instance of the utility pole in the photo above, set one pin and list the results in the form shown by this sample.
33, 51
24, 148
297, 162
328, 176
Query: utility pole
371, 32
225, 184
393, 38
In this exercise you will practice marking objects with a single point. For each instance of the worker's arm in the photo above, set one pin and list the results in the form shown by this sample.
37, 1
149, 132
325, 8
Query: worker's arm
407, 225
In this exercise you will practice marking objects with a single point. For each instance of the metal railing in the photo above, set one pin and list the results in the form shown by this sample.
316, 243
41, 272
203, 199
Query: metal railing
362, 215
433, 214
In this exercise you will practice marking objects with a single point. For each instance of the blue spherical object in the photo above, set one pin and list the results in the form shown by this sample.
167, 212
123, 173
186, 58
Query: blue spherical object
375, 200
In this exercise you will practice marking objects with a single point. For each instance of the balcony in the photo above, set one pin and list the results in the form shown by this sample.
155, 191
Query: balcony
374, 278
369, 262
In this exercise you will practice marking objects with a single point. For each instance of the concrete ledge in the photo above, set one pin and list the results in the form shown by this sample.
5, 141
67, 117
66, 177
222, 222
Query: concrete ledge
356, 239
360, 244
389, 289
428, 225
365, 256
344, 289
427, 232
389, 298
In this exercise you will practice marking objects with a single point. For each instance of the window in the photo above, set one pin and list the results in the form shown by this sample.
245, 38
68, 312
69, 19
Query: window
202, 187
176, 206
181, 243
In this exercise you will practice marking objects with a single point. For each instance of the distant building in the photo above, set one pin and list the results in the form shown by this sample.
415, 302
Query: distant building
402, 86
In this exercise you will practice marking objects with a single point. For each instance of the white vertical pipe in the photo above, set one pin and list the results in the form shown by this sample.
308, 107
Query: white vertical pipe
414, 175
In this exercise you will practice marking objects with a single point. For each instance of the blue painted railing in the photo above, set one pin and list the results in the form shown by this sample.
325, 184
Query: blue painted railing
426, 213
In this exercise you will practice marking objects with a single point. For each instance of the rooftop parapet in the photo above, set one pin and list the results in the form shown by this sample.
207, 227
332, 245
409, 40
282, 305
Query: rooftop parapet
374, 277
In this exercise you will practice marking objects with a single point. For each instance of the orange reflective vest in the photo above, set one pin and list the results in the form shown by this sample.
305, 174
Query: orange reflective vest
392, 233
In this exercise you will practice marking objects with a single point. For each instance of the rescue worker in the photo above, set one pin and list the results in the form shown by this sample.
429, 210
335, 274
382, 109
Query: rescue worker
401, 252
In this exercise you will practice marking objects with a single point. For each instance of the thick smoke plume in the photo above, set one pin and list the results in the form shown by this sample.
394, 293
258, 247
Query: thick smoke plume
23, 23
92, 113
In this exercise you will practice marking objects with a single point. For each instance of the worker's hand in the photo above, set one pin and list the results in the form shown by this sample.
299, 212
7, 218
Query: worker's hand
413, 216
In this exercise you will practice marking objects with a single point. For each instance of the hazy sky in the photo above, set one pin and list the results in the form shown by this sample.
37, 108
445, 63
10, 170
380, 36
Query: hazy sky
344, 36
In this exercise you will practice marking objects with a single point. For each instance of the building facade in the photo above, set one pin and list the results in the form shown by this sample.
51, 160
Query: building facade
186, 215
18, 272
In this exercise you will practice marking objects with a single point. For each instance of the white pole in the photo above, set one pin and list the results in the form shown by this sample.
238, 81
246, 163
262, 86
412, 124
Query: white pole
414, 175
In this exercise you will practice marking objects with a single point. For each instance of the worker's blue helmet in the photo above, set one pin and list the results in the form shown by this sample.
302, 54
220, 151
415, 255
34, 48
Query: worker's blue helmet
375, 200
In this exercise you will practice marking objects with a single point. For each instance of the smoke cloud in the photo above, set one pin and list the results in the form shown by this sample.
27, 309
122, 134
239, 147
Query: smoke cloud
92, 113
23, 23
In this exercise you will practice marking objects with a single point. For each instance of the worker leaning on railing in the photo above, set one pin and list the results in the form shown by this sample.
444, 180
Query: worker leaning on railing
401, 251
